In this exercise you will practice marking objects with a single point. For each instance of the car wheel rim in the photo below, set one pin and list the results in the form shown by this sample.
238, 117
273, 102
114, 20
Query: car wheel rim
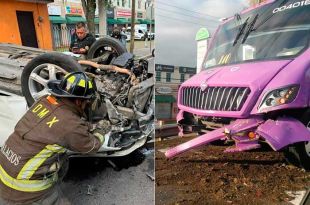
307, 144
39, 77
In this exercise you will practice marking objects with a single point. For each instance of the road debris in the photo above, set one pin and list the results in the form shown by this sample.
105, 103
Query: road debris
89, 190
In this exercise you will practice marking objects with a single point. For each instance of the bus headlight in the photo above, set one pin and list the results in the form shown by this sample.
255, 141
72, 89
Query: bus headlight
279, 97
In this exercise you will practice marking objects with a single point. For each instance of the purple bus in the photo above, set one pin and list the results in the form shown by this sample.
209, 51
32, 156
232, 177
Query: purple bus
254, 87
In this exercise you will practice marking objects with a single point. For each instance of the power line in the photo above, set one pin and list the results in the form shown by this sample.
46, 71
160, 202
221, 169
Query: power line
200, 13
205, 18
176, 19
185, 21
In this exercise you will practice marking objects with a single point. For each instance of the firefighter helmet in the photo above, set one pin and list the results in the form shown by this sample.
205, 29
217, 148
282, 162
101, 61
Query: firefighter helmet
74, 85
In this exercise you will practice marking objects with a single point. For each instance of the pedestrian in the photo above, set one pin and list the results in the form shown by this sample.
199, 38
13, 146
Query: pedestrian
123, 36
146, 36
33, 159
116, 34
81, 40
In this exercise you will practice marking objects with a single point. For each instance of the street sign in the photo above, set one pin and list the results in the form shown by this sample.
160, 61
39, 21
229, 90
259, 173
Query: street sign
202, 45
164, 90
164, 68
188, 70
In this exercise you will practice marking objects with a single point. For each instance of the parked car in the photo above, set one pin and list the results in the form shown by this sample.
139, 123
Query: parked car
254, 87
140, 33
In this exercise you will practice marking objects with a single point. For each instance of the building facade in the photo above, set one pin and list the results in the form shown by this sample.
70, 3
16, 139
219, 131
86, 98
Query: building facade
26, 23
64, 14
168, 80
123, 10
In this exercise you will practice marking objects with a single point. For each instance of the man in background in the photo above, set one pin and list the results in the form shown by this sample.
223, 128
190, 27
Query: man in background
116, 33
120, 35
81, 40
123, 36
146, 37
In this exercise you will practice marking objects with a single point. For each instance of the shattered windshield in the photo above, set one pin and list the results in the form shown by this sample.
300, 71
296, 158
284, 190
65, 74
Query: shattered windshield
274, 31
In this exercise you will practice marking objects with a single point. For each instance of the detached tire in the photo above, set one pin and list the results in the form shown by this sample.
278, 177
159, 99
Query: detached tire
106, 44
298, 154
42, 68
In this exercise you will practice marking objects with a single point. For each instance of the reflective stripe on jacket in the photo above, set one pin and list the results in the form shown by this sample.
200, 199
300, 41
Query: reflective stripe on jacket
33, 153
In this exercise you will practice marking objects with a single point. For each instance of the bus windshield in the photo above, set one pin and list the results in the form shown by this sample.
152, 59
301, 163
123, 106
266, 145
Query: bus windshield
274, 31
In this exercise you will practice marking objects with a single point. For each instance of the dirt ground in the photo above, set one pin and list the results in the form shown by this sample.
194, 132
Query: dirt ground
209, 176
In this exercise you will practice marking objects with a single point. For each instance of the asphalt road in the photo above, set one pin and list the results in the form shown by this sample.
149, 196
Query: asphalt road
140, 50
141, 45
93, 181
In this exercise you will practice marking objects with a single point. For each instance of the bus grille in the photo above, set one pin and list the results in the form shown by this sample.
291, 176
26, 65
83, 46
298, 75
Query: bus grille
215, 98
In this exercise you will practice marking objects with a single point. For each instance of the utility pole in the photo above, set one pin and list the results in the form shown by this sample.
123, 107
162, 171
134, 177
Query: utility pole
132, 32
150, 15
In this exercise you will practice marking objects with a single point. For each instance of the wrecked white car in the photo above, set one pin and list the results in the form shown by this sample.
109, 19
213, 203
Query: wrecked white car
124, 98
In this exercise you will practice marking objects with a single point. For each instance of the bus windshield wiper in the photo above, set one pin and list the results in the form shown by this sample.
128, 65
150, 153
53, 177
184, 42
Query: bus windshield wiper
270, 16
241, 30
250, 28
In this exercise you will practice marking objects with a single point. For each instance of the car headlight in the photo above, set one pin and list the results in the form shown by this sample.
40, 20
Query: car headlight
279, 97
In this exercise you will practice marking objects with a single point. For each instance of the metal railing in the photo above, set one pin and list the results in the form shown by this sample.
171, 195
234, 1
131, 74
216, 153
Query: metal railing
62, 36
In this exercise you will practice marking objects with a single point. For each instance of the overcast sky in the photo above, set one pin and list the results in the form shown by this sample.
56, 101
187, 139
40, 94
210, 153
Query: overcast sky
177, 22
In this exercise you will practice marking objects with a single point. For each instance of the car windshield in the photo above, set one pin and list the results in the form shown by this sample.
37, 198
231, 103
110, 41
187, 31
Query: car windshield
274, 31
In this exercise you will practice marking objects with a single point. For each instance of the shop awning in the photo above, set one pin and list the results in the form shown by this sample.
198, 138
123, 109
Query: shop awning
75, 19
145, 21
164, 99
112, 21
122, 21
136, 21
141, 21
57, 19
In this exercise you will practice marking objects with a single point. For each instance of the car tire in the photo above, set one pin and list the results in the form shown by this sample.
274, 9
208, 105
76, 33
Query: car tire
38, 70
106, 44
298, 154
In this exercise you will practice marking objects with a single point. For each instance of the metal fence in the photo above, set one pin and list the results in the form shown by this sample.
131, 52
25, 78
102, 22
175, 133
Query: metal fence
62, 36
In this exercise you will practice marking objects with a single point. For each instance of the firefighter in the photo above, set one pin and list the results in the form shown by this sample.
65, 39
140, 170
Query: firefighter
34, 156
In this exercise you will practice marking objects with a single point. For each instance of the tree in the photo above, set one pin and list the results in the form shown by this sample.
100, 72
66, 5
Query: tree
132, 33
89, 7
102, 10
